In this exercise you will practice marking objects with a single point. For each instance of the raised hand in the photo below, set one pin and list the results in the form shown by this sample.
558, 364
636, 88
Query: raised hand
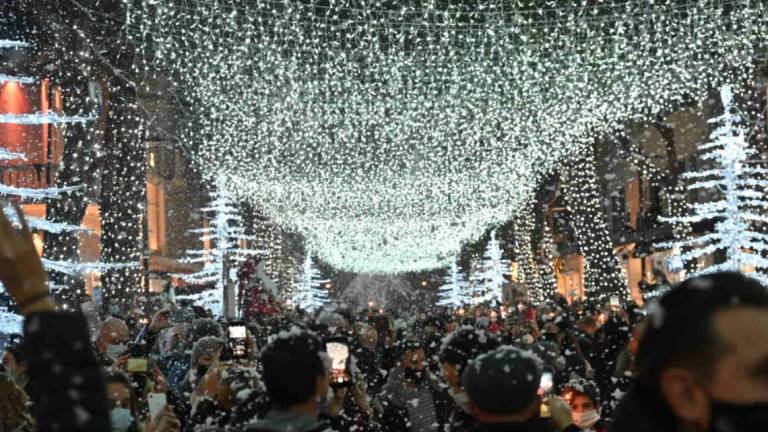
21, 270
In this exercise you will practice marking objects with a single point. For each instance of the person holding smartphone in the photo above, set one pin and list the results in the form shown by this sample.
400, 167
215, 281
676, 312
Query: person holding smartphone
457, 351
412, 398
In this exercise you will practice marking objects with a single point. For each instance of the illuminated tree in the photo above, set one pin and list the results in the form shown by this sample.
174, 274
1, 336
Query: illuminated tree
489, 278
737, 203
55, 267
308, 289
77, 50
603, 276
455, 291
228, 250
537, 277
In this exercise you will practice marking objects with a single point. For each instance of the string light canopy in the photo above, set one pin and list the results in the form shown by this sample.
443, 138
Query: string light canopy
389, 133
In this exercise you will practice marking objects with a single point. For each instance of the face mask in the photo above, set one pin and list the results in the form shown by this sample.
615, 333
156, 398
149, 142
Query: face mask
121, 419
527, 339
461, 399
115, 351
586, 419
731, 417
414, 376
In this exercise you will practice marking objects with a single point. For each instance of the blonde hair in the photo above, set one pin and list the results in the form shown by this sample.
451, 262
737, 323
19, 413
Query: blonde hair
13, 406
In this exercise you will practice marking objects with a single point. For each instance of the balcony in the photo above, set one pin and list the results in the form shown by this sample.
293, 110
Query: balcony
34, 176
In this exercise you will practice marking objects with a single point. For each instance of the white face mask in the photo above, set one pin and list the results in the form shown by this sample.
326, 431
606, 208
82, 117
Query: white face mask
120, 419
461, 399
586, 419
114, 351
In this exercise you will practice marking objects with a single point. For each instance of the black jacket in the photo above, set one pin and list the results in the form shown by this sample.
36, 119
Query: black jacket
460, 421
533, 425
65, 371
643, 409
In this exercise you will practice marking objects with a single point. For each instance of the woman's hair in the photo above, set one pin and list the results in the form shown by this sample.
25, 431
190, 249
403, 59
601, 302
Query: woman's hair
13, 405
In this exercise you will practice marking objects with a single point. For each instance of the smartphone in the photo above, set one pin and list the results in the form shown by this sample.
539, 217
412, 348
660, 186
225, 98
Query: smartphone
236, 337
545, 389
137, 365
546, 383
338, 351
615, 302
156, 402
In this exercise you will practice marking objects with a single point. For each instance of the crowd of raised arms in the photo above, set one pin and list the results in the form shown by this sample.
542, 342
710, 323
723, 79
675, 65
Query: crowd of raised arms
695, 360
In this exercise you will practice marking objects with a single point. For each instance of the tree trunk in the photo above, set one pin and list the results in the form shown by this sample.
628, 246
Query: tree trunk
62, 59
123, 197
603, 276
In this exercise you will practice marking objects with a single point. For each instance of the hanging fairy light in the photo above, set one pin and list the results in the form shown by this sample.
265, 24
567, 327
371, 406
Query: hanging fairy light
388, 135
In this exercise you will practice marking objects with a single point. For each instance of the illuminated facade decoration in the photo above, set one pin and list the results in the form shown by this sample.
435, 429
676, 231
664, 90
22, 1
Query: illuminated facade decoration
388, 135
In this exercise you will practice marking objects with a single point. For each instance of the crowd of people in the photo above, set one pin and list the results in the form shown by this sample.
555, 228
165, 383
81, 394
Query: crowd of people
695, 360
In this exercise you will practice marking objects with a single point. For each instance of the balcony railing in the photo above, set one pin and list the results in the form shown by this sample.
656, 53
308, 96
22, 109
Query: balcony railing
35, 176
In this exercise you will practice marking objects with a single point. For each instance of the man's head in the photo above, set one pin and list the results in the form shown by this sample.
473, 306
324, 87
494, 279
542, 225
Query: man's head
503, 385
201, 328
369, 337
459, 348
704, 349
113, 335
295, 369
588, 325
583, 396
207, 351
413, 361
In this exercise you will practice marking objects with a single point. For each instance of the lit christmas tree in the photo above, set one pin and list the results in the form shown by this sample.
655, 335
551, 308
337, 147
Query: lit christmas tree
737, 205
488, 280
309, 293
454, 293
227, 252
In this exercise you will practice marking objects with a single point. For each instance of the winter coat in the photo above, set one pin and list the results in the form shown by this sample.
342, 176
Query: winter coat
253, 406
209, 414
65, 371
369, 364
288, 421
460, 421
353, 419
533, 425
643, 409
